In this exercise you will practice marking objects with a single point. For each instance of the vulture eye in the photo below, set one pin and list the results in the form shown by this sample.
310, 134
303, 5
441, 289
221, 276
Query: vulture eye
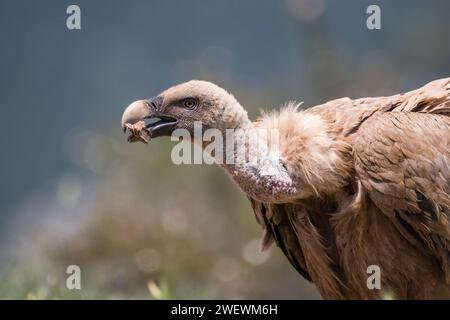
190, 103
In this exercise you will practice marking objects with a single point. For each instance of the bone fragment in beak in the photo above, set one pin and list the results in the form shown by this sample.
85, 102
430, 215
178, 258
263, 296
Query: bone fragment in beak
138, 132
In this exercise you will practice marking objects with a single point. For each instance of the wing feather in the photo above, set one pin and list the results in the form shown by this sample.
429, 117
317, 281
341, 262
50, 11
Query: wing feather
403, 161
280, 231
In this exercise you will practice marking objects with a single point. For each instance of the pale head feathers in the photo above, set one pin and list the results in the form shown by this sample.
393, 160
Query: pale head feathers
218, 107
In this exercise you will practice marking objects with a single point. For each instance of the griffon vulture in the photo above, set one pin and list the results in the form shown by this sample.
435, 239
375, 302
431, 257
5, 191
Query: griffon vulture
353, 184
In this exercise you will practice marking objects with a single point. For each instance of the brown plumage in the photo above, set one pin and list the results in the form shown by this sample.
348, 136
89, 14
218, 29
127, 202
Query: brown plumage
354, 183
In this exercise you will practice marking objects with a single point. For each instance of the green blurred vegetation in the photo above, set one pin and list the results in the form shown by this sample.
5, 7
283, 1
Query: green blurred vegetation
184, 230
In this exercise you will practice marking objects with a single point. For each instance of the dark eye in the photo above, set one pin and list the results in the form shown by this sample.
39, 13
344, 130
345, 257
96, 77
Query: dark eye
190, 103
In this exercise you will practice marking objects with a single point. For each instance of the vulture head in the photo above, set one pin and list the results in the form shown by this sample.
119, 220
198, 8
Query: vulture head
180, 106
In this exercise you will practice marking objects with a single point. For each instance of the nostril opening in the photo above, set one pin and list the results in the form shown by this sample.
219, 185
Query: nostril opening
151, 105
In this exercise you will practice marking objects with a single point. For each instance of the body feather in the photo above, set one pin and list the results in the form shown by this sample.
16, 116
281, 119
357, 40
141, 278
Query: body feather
376, 177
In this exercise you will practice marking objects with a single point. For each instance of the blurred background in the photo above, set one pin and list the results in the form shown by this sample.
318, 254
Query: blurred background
74, 192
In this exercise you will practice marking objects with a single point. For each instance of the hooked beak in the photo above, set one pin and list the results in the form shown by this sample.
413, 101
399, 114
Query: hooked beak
148, 111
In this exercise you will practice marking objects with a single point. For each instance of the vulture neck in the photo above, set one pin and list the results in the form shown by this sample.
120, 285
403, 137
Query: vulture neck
250, 158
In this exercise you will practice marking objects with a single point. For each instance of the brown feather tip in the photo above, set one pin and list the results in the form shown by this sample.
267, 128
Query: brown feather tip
266, 241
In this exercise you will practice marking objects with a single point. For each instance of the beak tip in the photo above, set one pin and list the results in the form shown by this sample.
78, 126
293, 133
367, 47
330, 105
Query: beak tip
135, 112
